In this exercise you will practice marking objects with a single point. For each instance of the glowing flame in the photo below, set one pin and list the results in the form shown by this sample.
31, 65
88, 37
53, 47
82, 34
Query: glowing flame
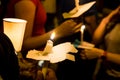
82, 28
52, 36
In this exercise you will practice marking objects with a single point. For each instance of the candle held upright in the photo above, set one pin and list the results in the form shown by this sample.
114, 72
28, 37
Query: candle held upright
47, 50
49, 45
82, 33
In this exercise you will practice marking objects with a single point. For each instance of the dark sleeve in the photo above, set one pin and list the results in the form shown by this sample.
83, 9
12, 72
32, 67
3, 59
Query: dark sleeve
9, 68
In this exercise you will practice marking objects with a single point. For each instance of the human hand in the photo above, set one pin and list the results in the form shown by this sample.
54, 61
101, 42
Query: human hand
91, 53
67, 28
50, 75
114, 13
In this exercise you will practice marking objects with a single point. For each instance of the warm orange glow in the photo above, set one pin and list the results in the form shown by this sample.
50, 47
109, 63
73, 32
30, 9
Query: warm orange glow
49, 45
14, 28
82, 32
52, 36
82, 28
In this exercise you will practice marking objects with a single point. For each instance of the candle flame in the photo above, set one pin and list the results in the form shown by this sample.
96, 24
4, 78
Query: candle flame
82, 28
52, 36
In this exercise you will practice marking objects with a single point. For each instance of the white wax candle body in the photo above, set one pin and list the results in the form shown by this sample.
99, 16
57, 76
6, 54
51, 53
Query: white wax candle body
48, 47
82, 32
81, 37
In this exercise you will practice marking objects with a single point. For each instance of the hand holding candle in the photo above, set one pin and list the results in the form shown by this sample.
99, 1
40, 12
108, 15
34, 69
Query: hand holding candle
47, 50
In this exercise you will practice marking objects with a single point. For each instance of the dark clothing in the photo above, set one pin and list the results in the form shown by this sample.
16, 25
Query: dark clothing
9, 68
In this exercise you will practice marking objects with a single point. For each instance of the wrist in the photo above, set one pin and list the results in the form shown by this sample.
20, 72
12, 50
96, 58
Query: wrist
104, 55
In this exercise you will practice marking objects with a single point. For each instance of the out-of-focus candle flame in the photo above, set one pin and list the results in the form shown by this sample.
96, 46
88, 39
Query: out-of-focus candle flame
52, 36
82, 28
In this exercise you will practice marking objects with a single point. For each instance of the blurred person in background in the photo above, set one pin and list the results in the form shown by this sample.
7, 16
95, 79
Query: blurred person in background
107, 33
67, 69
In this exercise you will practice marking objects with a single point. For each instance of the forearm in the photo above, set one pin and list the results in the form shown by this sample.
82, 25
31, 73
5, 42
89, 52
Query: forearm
112, 57
99, 32
36, 42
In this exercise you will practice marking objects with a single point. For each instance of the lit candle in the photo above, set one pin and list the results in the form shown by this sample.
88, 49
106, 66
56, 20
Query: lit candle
82, 32
47, 50
49, 45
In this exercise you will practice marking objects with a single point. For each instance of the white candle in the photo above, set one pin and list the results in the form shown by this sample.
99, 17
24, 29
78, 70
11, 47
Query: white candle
49, 45
82, 32
47, 50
